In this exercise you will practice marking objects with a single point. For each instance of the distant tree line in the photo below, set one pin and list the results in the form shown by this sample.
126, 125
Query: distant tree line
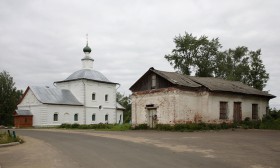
204, 57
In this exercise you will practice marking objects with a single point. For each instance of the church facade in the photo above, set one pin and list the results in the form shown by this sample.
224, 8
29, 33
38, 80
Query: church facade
85, 97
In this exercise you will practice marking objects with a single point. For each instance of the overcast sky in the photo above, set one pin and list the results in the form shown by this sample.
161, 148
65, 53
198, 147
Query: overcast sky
42, 41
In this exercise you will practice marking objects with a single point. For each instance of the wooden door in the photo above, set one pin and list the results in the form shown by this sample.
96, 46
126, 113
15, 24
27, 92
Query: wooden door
151, 118
237, 112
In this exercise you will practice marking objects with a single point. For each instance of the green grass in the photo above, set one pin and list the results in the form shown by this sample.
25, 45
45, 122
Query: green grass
6, 138
106, 127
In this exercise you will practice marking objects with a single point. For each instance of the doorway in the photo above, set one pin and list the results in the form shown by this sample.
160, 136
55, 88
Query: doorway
237, 112
152, 117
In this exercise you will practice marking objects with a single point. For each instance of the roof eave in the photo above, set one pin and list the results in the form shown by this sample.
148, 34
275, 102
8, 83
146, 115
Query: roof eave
64, 104
86, 79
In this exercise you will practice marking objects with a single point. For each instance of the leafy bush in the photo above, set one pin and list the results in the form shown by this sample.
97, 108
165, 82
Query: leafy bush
271, 124
65, 125
164, 127
141, 127
75, 125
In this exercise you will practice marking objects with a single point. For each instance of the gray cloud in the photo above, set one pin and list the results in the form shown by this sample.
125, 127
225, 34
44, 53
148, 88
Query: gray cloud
41, 41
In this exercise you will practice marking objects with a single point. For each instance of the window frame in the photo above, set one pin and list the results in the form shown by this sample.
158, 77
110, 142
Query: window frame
76, 117
223, 115
93, 96
154, 81
255, 111
93, 118
55, 117
106, 117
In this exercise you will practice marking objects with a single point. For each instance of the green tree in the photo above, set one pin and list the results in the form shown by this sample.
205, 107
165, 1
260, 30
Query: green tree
258, 76
194, 54
203, 57
9, 97
126, 103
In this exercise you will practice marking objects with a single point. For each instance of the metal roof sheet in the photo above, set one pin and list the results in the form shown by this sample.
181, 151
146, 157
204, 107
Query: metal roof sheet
217, 84
120, 107
176, 78
213, 84
87, 74
54, 96
23, 112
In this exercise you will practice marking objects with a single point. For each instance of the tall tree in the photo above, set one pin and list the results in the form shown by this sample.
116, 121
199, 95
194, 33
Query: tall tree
9, 97
258, 76
126, 103
203, 57
194, 54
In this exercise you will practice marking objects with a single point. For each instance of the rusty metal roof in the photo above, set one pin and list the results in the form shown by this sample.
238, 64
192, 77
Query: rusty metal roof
176, 78
217, 84
213, 84
23, 112
54, 96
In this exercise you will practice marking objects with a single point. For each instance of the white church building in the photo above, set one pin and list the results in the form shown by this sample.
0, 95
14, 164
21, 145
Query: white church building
85, 97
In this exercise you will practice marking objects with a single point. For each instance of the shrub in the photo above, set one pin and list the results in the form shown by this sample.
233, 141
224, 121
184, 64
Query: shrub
270, 124
64, 125
75, 125
6, 138
164, 127
121, 127
141, 127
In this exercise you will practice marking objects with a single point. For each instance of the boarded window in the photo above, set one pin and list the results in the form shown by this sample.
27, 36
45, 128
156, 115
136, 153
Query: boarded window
93, 96
55, 117
223, 110
255, 115
76, 117
153, 81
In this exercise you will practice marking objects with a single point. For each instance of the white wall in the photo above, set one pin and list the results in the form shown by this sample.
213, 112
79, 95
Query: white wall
29, 99
76, 87
246, 105
177, 106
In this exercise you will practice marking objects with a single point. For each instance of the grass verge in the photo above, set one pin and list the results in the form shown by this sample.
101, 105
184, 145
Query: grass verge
5, 137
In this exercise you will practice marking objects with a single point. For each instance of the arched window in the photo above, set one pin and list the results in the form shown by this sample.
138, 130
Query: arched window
55, 117
106, 117
76, 117
93, 117
93, 96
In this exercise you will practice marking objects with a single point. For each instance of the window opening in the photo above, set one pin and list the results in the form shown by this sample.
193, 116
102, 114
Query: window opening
153, 81
93, 117
106, 97
93, 96
76, 117
255, 112
55, 117
223, 110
